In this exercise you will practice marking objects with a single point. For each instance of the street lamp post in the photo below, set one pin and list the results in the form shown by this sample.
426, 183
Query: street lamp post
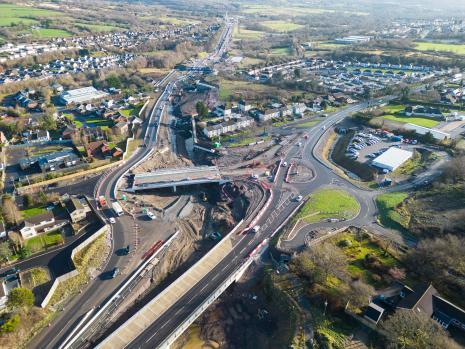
326, 304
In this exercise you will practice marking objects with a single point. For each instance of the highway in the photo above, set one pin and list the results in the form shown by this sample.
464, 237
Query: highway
122, 231
280, 210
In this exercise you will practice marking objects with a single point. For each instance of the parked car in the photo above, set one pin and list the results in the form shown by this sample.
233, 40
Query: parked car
112, 220
115, 273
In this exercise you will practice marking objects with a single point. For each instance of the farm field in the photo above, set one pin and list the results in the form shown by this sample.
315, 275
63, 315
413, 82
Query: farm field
11, 15
440, 47
245, 34
100, 28
287, 11
280, 51
281, 26
425, 122
329, 203
44, 33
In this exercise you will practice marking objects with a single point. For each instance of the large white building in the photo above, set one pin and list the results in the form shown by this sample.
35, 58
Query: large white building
81, 95
353, 39
439, 135
392, 159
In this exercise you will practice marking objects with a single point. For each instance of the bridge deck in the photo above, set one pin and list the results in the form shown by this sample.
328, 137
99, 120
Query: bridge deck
173, 177
140, 321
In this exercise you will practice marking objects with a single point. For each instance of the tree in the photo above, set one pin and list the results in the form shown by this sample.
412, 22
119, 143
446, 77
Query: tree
113, 81
47, 122
408, 329
10, 210
43, 197
359, 294
20, 298
11, 324
28, 201
201, 108
17, 240
320, 261
5, 251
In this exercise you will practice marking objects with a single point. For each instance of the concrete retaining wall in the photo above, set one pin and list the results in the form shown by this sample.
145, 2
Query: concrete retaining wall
89, 240
74, 272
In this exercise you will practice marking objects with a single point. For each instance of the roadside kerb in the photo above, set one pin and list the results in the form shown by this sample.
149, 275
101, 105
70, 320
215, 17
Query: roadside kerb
262, 211
70, 340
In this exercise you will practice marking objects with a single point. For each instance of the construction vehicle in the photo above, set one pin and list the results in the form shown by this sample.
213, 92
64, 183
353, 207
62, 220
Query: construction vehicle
102, 201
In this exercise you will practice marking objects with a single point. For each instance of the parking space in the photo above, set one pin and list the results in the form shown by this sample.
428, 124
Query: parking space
368, 144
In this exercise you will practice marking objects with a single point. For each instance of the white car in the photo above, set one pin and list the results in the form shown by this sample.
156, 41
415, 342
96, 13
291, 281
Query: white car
299, 198
256, 229
112, 220
151, 215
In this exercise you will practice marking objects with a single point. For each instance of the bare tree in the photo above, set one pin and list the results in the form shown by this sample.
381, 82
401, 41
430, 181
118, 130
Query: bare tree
10, 210
413, 330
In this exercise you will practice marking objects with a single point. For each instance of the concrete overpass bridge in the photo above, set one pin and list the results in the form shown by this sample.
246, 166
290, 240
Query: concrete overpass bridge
172, 178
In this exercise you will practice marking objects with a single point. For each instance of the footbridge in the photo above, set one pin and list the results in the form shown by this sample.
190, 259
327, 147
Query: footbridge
172, 178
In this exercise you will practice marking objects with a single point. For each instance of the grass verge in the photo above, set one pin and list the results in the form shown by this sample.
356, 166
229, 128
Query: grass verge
86, 261
327, 204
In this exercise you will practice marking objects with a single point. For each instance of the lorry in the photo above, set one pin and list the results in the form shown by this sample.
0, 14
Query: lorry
102, 202
117, 208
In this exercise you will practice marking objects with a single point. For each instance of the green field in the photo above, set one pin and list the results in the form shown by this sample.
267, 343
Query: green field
245, 34
440, 47
329, 203
327, 45
280, 51
281, 26
287, 11
425, 122
100, 28
389, 214
11, 21
11, 14
44, 33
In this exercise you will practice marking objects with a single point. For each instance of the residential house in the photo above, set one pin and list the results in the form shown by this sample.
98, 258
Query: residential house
243, 106
76, 210
299, 108
231, 125
117, 152
420, 110
32, 226
121, 128
423, 298
3, 139
97, 148
7, 284
36, 136
268, 114
2, 230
